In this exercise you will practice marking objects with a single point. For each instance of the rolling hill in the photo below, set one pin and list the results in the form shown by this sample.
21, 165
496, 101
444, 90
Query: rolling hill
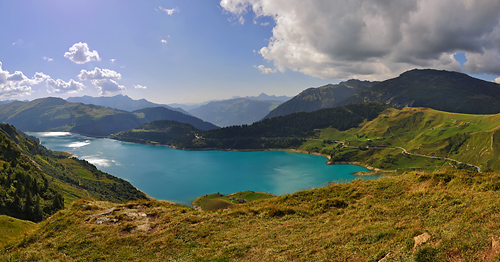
55, 114
313, 99
239, 111
440, 90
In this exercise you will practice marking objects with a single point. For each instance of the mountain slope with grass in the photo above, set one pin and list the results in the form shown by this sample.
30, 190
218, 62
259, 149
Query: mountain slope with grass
25, 191
327, 96
440, 90
239, 111
418, 216
415, 138
35, 182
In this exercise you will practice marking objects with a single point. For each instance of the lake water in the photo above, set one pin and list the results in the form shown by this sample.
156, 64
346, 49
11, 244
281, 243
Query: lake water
182, 176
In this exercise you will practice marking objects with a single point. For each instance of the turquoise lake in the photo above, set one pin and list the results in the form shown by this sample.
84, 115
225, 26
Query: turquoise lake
181, 176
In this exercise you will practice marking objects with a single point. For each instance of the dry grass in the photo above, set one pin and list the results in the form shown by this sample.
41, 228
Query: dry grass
357, 221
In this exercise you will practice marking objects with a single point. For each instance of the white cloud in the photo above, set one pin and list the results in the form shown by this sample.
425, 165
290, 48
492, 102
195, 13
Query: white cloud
377, 39
168, 11
497, 80
264, 70
19, 41
112, 60
486, 62
107, 86
164, 41
59, 86
48, 59
81, 54
17, 84
98, 74
103, 79
140, 87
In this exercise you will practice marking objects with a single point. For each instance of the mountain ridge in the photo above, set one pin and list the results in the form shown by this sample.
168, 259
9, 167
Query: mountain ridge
437, 89
121, 102
237, 111
326, 96
56, 114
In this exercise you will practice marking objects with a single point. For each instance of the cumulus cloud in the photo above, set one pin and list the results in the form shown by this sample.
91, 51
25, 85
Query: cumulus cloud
164, 41
48, 59
497, 80
81, 54
60, 86
264, 70
377, 39
107, 86
17, 84
103, 79
140, 87
168, 11
98, 74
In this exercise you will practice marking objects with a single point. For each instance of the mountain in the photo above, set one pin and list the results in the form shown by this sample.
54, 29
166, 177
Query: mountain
36, 182
239, 111
55, 114
160, 113
280, 132
440, 90
265, 97
261, 97
121, 102
327, 96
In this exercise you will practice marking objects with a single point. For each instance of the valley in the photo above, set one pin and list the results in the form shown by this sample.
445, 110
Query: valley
430, 173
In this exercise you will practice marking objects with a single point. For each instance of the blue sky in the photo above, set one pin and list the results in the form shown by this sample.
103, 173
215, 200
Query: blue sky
182, 51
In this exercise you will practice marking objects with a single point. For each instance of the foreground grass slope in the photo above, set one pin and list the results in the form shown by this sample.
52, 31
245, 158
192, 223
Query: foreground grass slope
12, 228
356, 221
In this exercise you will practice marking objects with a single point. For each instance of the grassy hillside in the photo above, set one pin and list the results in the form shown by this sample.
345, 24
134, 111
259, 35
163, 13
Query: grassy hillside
431, 139
218, 201
240, 111
441, 90
12, 228
35, 182
25, 191
327, 96
357, 221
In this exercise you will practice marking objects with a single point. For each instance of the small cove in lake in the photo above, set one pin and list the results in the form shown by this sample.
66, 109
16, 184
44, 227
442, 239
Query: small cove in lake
182, 176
